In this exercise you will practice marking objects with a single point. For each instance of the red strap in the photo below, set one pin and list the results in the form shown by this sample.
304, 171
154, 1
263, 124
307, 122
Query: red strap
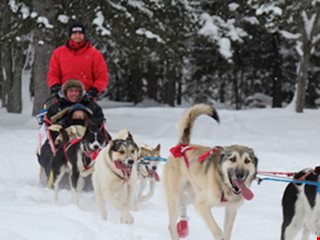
180, 150
69, 144
206, 154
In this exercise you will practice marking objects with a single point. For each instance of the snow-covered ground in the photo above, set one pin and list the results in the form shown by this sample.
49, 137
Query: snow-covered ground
282, 139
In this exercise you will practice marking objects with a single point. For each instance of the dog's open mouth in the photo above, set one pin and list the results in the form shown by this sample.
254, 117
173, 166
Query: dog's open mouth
239, 187
155, 175
126, 169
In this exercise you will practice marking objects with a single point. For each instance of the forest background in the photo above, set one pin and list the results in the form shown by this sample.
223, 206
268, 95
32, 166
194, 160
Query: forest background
241, 54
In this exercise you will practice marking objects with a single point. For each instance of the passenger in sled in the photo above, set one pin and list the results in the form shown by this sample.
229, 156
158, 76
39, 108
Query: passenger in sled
73, 66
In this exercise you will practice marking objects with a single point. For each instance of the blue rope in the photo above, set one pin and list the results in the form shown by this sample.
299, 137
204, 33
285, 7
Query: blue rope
292, 181
152, 158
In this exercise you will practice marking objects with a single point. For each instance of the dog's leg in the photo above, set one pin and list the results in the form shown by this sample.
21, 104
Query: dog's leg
74, 183
293, 212
151, 191
205, 212
173, 201
306, 233
42, 177
57, 180
141, 189
127, 203
229, 217
132, 196
100, 197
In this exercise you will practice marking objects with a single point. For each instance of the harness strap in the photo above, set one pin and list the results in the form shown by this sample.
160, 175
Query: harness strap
180, 151
208, 153
51, 142
68, 145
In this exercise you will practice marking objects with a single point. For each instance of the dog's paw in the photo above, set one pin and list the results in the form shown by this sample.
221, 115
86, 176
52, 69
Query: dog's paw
127, 218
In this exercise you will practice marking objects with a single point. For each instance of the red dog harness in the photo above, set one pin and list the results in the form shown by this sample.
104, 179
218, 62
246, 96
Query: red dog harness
92, 154
181, 149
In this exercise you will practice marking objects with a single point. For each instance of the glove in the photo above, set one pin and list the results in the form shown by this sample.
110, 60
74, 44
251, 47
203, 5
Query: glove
91, 94
55, 89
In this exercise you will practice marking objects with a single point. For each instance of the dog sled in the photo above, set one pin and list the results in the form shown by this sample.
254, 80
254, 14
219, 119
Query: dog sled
50, 139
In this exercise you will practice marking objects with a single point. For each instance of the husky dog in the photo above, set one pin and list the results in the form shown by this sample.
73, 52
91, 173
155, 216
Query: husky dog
76, 158
301, 206
147, 171
207, 177
115, 176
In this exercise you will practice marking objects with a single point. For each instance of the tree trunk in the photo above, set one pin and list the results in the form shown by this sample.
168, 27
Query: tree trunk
302, 79
277, 73
169, 86
42, 50
14, 94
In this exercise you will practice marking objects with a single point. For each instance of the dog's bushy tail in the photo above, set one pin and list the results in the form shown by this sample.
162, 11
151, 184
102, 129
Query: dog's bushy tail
189, 117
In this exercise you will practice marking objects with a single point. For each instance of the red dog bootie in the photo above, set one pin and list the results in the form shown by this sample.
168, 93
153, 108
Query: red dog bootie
183, 228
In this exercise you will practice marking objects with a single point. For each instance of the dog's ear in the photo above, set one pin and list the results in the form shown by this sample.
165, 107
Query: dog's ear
129, 137
158, 147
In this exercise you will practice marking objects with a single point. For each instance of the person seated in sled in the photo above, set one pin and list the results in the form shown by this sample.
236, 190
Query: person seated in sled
73, 92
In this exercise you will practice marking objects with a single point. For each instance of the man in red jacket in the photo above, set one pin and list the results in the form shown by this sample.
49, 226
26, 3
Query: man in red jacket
78, 59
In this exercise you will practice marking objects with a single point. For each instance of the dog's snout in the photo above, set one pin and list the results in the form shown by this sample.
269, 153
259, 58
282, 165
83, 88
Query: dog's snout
130, 161
240, 174
96, 147
154, 168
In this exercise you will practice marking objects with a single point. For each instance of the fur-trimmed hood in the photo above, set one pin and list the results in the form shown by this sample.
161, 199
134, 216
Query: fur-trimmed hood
72, 83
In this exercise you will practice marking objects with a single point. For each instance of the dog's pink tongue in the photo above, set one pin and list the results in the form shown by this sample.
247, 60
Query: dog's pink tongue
245, 191
155, 175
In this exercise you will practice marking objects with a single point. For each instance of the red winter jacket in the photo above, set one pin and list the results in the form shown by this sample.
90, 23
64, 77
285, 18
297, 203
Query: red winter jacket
86, 64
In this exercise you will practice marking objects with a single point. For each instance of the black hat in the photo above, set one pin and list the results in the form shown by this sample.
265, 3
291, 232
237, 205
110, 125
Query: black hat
76, 27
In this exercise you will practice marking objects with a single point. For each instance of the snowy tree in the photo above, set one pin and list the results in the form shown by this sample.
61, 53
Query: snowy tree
298, 22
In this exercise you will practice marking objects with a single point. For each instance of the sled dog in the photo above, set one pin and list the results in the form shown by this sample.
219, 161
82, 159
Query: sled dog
76, 157
206, 177
147, 171
301, 206
115, 176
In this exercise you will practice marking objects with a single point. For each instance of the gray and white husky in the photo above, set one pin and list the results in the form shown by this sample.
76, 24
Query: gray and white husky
115, 176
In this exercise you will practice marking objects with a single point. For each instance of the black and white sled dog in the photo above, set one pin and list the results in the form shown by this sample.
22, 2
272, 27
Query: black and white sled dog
115, 176
301, 206
76, 158
206, 177
147, 171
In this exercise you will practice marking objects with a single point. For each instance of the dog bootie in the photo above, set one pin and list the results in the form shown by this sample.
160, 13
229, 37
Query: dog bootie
183, 228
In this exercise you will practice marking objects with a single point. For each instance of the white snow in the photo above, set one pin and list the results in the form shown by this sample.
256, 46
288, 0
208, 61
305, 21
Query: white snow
282, 139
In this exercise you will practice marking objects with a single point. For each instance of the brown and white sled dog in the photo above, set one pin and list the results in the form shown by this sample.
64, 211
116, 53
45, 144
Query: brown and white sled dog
207, 177
147, 171
301, 206
115, 176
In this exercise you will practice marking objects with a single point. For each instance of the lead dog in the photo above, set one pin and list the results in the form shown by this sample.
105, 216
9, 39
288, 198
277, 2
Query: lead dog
207, 177
301, 206
115, 176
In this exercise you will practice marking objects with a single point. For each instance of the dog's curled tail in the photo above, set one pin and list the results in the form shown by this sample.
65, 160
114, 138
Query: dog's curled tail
189, 117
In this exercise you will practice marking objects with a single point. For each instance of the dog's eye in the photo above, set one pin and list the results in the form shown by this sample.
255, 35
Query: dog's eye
233, 159
246, 161
121, 152
132, 151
